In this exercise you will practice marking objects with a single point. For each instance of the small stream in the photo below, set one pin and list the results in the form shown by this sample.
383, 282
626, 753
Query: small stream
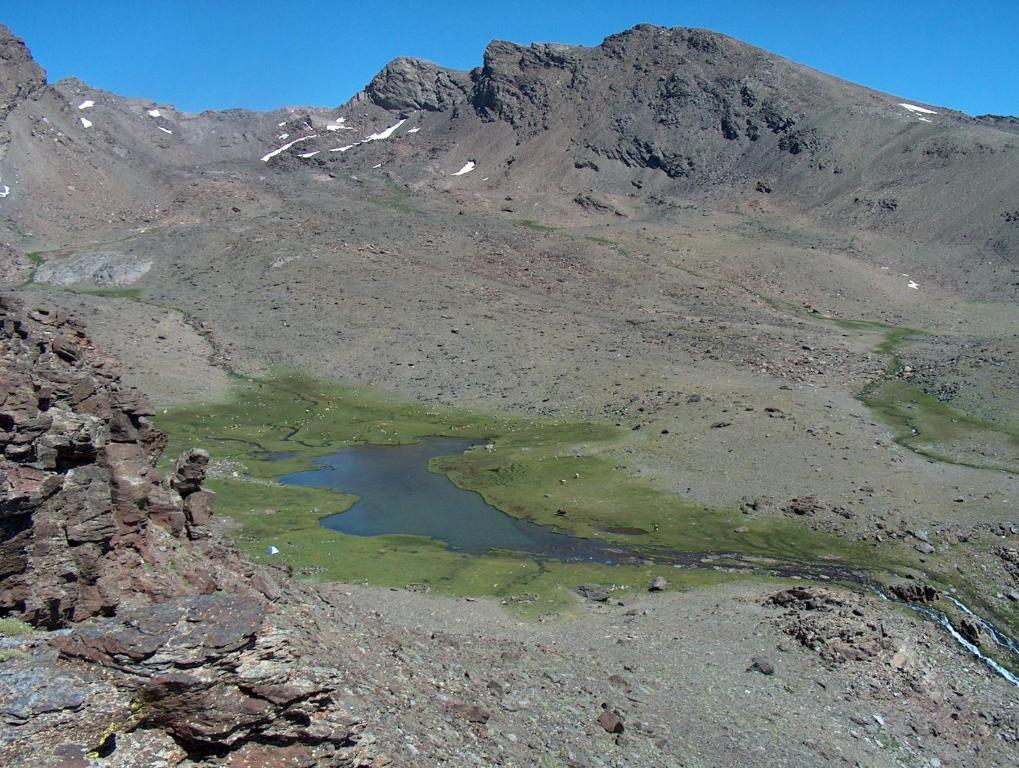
1000, 639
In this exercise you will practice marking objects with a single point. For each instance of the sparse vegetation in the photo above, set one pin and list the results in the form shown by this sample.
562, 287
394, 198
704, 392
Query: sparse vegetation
537, 226
10, 627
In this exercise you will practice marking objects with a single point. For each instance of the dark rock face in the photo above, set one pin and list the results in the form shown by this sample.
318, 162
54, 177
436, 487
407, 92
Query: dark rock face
680, 98
85, 513
407, 84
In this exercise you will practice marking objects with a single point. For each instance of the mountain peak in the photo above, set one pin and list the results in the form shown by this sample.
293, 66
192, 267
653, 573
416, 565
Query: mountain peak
20, 75
407, 83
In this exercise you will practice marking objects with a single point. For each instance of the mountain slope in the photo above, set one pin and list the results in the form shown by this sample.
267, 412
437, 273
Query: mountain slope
651, 115
654, 112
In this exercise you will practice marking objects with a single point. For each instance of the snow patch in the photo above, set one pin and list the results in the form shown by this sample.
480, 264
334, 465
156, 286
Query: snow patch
280, 125
4, 190
85, 123
344, 149
310, 154
87, 104
285, 147
925, 120
283, 136
378, 165
414, 130
468, 167
913, 285
386, 133
165, 130
154, 113
915, 108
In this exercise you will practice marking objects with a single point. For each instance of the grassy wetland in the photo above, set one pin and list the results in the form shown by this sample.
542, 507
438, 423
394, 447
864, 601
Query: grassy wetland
566, 475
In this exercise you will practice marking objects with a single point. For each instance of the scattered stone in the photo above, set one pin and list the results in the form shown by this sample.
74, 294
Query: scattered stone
594, 592
472, 713
658, 583
611, 721
805, 506
915, 592
762, 665
970, 630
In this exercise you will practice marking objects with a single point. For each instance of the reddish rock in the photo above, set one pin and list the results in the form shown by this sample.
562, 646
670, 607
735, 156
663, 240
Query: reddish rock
472, 713
611, 721
85, 514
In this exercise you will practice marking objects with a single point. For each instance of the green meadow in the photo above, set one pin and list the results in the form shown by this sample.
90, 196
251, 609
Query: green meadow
556, 473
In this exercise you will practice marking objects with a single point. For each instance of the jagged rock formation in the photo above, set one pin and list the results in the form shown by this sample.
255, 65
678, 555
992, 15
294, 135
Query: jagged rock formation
88, 523
409, 84
177, 661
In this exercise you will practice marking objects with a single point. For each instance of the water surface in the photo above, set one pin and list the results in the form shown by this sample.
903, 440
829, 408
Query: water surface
398, 495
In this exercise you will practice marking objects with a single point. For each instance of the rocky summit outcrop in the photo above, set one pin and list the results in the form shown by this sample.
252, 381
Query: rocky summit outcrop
20, 75
409, 84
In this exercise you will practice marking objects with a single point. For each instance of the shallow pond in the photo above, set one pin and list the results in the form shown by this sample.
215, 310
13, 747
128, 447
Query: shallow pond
398, 495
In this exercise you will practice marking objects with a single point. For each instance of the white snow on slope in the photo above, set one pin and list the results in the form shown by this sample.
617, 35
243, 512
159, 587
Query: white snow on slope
925, 119
164, 130
414, 129
4, 190
913, 285
285, 147
154, 113
344, 149
85, 123
310, 154
280, 125
283, 136
915, 108
468, 167
386, 133
87, 104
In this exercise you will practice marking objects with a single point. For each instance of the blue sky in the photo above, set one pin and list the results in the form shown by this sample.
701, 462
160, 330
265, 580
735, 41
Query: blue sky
209, 54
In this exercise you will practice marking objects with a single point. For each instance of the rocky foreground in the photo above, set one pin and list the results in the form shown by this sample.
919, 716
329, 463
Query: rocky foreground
150, 642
